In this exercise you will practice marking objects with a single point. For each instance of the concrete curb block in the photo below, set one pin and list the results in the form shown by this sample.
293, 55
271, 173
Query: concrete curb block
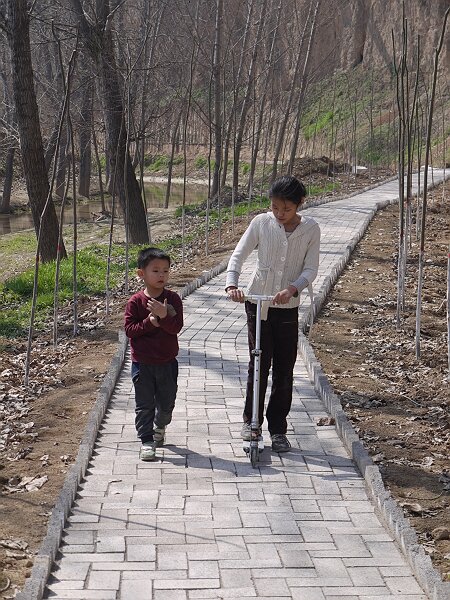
35, 585
386, 507
204, 277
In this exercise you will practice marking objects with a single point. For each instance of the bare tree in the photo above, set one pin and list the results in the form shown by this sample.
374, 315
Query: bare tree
8, 141
85, 138
15, 21
217, 84
286, 112
303, 87
425, 182
246, 103
98, 40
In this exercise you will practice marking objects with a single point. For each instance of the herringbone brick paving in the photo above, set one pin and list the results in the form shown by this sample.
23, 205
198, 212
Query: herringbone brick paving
199, 522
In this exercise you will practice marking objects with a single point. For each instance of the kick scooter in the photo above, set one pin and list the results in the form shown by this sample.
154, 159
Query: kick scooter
255, 445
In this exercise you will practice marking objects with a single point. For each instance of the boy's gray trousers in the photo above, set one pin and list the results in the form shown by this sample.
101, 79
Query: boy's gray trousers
155, 388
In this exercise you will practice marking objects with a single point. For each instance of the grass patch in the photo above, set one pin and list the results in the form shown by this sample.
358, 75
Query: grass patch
12, 243
16, 293
316, 126
318, 190
376, 150
240, 209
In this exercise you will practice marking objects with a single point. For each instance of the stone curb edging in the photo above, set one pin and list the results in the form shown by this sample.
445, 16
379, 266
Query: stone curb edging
204, 277
386, 507
328, 199
34, 586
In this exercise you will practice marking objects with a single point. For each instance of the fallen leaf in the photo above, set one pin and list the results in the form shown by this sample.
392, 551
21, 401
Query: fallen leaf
441, 533
14, 544
324, 421
412, 507
378, 457
445, 479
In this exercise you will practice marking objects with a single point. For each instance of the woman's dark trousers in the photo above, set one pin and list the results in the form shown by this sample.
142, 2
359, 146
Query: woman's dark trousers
279, 339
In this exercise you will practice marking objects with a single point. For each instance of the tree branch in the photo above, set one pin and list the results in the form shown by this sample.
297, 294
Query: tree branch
109, 18
3, 21
30, 10
85, 25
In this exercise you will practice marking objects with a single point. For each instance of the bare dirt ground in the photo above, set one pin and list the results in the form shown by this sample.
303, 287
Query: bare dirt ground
41, 428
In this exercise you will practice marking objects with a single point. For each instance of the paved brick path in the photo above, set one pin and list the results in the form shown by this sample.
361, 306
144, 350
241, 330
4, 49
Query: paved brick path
200, 522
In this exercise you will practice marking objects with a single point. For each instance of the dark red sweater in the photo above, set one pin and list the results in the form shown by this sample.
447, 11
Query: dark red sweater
153, 345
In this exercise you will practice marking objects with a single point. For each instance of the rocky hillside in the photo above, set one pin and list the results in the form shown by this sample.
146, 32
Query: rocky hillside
361, 31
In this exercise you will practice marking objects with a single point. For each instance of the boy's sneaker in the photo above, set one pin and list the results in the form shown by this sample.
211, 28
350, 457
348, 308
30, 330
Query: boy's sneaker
159, 435
280, 443
246, 431
147, 451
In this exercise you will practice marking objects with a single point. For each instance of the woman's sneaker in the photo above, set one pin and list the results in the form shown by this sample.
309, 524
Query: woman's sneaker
280, 443
246, 432
159, 435
147, 451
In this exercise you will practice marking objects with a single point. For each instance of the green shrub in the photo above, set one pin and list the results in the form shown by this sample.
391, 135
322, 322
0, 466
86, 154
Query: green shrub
159, 162
245, 168
201, 162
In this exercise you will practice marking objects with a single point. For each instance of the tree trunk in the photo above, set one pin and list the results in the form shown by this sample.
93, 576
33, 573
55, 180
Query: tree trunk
116, 150
172, 155
236, 78
217, 99
7, 183
63, 161
99, 42
303, 86
246, 101
51, 146
84, 182
287, 110
27, 115
265, 87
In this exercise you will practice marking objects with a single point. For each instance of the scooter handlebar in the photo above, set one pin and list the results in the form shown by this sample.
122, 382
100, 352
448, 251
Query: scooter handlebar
256, 297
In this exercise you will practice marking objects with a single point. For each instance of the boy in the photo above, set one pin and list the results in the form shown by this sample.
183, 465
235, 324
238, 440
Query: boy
153, 318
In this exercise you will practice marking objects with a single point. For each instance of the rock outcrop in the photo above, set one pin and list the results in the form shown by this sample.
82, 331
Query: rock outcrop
360, 31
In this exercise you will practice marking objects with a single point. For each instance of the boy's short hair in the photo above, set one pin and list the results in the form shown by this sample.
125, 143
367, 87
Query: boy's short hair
288, 188
146, 256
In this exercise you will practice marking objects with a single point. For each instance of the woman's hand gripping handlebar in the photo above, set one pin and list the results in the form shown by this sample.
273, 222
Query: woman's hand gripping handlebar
282, 297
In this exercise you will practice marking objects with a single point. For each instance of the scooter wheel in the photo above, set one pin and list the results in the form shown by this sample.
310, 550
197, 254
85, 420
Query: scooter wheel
254, 455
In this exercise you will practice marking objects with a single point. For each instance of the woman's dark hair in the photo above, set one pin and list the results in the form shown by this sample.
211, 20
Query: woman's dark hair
288, 188
146, 256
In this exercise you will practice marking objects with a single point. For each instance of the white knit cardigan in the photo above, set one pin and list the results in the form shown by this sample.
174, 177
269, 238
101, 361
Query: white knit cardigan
282, 260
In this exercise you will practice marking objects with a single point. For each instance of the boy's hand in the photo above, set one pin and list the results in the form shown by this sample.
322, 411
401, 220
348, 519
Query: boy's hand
235, 294
284, 296
157, 309
154, 321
